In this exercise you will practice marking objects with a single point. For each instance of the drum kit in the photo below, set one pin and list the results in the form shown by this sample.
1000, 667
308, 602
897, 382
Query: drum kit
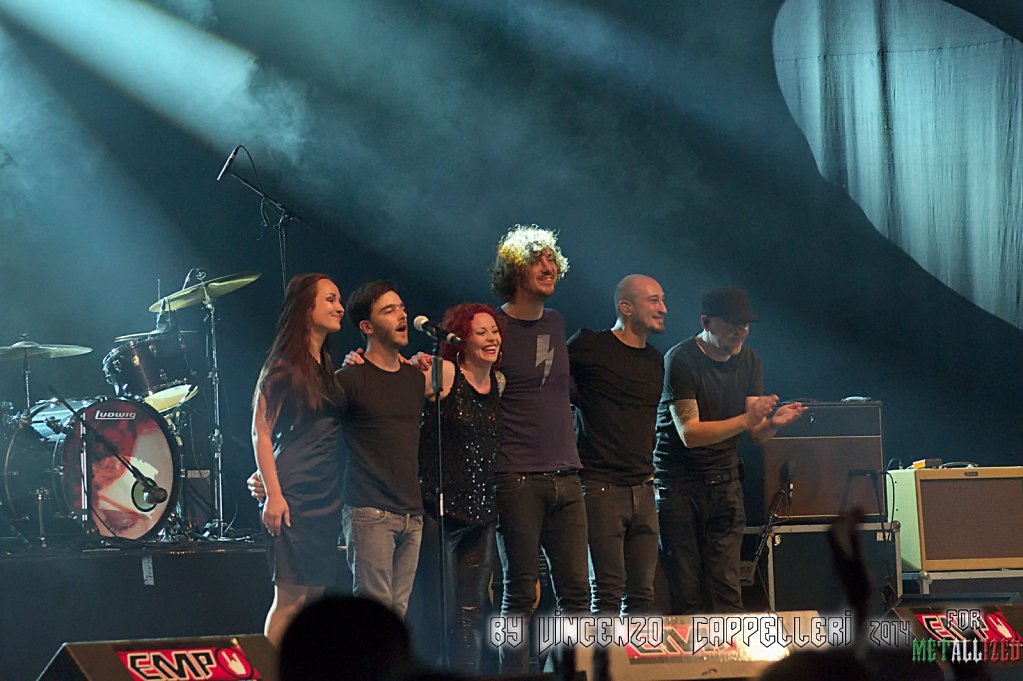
112, 466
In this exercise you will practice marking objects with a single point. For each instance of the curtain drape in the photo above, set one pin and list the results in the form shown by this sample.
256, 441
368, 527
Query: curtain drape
915, 108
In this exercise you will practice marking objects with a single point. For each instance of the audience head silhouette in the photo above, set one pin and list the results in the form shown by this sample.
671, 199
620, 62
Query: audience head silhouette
343, 637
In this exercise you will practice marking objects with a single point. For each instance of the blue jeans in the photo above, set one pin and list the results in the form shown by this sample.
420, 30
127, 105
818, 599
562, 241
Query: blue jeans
701, 541
622, 522
540, 511
383, 553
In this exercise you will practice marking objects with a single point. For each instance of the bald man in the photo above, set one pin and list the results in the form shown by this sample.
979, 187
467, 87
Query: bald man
618, 379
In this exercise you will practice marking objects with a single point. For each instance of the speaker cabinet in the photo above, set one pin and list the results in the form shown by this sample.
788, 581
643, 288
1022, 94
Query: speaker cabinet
802, 573
960, 518
834, 460
212, 657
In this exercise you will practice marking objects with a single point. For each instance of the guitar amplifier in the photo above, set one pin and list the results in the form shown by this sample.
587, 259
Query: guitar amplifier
833, 458
960, 518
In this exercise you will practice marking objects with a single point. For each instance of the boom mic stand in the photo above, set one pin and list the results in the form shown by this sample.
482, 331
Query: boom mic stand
286, 214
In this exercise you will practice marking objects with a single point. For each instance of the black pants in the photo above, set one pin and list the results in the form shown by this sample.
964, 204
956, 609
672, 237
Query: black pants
622, 525
547, 512
470, 562
701, 539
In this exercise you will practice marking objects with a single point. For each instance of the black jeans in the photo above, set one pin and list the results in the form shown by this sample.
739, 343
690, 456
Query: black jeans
470, 551
622, 527
544, 511
701, 539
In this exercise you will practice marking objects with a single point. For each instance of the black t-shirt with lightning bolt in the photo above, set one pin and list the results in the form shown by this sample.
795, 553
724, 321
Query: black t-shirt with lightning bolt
538, 435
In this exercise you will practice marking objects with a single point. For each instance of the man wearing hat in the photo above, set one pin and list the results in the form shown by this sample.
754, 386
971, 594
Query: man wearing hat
713, 392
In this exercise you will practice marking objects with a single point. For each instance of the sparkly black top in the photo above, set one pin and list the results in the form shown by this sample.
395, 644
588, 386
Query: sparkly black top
471, 429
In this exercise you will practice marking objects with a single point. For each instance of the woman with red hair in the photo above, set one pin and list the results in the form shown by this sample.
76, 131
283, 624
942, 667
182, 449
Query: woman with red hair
294, 432
470, 434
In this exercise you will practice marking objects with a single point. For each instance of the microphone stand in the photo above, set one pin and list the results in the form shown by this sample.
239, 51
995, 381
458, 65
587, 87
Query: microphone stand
784, 493
287, 216
437, 385
144, 481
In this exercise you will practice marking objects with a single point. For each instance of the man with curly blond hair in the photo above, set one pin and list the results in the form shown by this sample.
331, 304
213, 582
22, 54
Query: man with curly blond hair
538, 491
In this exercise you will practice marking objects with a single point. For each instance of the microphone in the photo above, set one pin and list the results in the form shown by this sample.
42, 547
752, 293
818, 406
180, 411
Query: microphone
422, 323
145, 495
155, 495
227, 164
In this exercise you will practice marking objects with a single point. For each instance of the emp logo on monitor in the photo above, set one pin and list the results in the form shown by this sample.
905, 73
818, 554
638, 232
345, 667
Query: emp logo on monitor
194, 664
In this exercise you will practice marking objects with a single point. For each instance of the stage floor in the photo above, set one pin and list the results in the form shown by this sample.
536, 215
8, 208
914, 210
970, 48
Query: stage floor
173, 590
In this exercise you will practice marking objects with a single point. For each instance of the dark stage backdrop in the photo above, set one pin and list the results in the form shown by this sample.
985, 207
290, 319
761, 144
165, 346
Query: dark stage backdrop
655, 136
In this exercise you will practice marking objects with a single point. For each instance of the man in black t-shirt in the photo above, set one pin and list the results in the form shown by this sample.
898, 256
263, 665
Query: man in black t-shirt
380, 403
618, 379
713, 392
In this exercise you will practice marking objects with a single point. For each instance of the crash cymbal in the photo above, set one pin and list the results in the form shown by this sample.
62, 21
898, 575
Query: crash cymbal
145, 335
32, 350
210, 289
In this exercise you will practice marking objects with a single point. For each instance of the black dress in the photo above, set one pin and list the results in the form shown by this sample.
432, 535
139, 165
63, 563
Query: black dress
308, 468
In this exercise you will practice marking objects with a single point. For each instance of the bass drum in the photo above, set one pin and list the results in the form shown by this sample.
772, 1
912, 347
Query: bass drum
44, 461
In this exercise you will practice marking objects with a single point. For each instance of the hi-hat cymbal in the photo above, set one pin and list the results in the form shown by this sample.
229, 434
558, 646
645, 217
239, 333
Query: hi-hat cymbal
145, 335
207, 290
32, 350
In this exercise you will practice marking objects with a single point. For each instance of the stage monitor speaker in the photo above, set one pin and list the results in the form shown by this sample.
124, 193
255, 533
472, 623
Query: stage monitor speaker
834, 460
675, 658
213, 658
963, 619
959, 518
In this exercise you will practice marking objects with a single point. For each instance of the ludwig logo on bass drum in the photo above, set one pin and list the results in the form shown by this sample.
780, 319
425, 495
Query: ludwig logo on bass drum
115, 415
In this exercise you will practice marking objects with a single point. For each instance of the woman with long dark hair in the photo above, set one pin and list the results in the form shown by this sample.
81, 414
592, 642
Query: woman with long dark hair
470, 429
294, 432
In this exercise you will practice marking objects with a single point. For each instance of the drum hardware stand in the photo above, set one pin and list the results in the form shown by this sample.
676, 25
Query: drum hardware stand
216, 436
41, 496
26, 368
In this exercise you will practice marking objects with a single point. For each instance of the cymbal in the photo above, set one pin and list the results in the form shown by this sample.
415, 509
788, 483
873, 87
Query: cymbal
32, 350
210, 289
145, 335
